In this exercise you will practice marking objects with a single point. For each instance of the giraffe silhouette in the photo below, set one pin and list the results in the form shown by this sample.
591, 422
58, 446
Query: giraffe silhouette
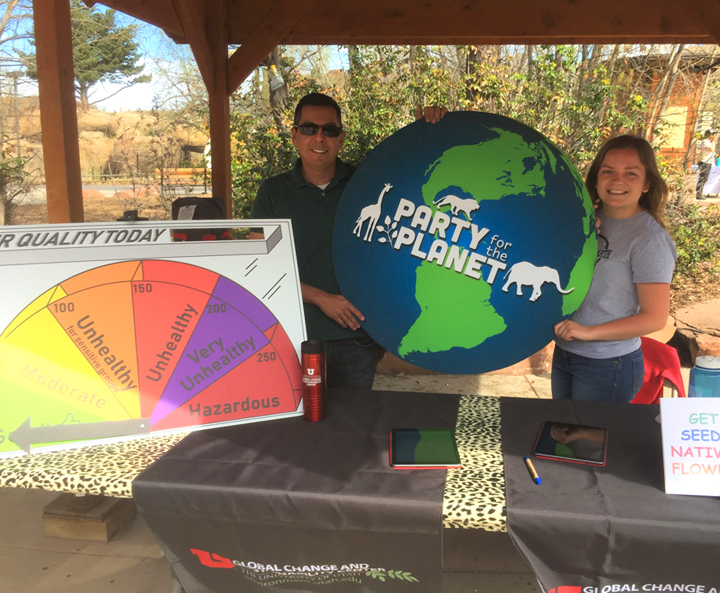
370, 213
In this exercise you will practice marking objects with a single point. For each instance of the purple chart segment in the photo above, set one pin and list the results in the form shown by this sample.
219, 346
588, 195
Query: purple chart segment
246, 302
223, 339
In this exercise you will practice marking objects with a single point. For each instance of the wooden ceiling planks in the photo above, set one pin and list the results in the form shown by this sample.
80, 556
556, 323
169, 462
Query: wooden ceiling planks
481, 21
449, 21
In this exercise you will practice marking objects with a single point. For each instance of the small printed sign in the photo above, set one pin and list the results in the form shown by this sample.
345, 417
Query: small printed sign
691, 445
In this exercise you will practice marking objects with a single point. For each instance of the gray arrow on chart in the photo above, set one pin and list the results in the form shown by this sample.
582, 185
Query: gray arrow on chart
26, 434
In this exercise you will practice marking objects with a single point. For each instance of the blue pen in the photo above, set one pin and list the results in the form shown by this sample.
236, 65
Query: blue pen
531, 468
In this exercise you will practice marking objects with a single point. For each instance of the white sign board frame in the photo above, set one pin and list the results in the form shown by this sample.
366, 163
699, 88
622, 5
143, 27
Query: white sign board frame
114, 330
691, 445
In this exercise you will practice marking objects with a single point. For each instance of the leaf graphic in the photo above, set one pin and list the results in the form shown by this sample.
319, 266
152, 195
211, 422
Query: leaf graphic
387, 219
394, 234
380, 228
382, 239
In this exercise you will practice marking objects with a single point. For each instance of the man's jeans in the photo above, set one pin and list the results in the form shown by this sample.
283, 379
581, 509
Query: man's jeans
596, 379
351, 362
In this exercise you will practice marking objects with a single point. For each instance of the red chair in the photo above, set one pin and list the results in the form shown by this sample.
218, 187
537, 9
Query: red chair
662, 363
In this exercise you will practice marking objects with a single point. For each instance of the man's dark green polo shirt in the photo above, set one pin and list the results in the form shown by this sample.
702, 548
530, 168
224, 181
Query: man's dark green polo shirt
312, 212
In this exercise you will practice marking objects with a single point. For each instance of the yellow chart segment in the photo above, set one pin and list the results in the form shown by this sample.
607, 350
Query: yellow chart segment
39, 303
40, 357
101, 323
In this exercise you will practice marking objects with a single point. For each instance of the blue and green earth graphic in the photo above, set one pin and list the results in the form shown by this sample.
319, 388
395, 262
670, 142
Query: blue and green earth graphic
444, 224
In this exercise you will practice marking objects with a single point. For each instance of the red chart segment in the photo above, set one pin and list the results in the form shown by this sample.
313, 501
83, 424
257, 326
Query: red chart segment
260, 386
179, 273
166, 315
286, 351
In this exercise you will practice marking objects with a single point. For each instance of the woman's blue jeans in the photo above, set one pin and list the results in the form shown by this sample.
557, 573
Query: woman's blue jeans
596, 379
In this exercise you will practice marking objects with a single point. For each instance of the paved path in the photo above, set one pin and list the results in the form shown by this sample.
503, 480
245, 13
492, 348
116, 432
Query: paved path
37, 193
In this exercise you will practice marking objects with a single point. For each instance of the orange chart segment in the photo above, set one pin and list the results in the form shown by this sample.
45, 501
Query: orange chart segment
165, 317
40, 357
117, 272
99, 319
260, 386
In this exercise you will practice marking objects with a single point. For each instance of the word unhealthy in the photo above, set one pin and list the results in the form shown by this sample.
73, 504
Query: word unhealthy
59, 386
96, 341
224, 358
73, 238
231, 408
177, 331
429, 241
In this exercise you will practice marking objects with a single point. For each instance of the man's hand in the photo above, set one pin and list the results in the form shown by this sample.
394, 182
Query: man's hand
335, 306
431, 114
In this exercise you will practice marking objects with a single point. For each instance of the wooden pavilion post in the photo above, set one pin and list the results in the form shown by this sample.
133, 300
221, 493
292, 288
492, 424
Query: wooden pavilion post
219, 100
58, 112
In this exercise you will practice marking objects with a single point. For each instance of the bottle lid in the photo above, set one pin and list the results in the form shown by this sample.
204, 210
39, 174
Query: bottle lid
708, 362
314, 347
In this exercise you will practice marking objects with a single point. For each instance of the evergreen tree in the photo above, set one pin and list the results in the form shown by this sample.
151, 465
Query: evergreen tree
103, 51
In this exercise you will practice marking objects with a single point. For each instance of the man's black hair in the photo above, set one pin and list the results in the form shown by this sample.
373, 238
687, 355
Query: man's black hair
316, 100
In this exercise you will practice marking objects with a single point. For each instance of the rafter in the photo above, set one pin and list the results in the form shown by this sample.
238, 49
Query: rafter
193, 24
705, 12
269, 33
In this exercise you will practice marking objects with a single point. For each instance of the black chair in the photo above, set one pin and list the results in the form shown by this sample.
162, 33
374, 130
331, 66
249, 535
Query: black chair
202, 209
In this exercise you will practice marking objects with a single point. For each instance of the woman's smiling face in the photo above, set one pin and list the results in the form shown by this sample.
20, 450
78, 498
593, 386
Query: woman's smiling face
621, 182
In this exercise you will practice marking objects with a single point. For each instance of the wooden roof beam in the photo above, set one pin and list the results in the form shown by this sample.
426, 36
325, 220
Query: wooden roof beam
193, 24
269, 33
58, 110
705, 12
219, 103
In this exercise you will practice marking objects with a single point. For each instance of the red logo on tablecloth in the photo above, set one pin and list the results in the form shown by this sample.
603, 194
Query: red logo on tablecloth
212, 560
566, 589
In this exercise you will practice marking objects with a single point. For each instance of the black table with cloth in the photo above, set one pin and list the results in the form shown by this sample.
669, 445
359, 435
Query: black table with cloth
290, 505
609, 528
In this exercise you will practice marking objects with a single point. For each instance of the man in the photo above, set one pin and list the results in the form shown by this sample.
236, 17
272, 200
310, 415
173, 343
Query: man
309, 195
705, 158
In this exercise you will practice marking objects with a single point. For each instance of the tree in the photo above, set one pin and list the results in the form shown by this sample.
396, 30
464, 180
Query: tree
15, 20
103, 51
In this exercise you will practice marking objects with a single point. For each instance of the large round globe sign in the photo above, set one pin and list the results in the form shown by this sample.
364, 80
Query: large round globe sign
464, 242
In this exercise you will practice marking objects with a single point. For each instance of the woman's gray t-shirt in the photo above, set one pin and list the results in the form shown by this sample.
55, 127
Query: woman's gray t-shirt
635, 250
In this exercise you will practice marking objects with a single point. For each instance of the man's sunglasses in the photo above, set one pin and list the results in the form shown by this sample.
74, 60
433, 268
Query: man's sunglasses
310, 129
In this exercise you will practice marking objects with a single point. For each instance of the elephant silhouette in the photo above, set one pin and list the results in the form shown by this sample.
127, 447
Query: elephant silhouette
526, 274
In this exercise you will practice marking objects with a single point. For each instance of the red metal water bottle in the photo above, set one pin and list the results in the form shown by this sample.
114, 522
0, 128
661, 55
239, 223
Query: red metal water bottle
314, 378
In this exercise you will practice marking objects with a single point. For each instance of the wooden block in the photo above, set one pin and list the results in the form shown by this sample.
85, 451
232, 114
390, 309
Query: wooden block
91, 517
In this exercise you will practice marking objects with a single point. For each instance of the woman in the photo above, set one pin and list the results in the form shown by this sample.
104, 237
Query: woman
597, 355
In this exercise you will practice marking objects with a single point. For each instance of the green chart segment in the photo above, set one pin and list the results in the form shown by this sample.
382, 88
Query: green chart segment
170, 342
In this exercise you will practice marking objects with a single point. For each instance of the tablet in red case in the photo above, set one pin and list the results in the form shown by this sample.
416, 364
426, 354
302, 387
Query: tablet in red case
572, 442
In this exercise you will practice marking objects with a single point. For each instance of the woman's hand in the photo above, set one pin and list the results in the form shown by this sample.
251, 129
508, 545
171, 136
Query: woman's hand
569, 330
